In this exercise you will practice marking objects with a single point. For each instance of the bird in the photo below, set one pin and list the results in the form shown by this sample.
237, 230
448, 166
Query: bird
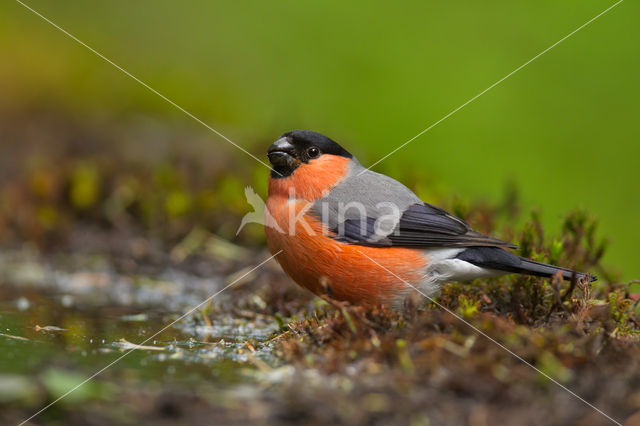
354, 235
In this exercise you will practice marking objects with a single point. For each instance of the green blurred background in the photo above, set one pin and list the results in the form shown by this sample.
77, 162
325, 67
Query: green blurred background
371, 75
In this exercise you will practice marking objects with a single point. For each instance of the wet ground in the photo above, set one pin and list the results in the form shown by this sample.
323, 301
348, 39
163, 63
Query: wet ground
264, 351
99, 311
63, 319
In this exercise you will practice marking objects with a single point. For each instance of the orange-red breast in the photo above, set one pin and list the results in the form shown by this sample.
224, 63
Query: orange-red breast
356, 234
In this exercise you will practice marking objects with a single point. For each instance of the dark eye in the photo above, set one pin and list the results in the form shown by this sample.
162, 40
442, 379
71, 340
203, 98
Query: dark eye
313, 152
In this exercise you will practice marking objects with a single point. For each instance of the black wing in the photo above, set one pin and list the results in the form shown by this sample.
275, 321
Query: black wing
421, 225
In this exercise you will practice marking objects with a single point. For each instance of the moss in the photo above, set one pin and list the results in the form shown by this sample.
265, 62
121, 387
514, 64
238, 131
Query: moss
535, 329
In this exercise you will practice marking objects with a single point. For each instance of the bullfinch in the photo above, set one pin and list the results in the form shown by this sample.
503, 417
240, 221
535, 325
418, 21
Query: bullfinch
360, 236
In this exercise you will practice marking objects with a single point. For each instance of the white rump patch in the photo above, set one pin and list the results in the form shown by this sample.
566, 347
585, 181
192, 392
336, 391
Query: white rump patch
442, 268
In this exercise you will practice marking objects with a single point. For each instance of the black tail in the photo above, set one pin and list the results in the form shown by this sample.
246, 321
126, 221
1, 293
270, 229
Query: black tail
501, 260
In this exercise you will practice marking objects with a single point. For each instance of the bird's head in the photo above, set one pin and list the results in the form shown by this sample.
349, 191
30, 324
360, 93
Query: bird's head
306, 164
302, 147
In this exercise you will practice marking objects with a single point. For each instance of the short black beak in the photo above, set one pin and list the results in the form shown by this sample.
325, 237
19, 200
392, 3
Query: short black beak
282, 155
279, 159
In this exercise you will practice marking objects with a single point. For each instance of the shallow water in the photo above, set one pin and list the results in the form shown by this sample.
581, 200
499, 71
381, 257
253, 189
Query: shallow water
58, 327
